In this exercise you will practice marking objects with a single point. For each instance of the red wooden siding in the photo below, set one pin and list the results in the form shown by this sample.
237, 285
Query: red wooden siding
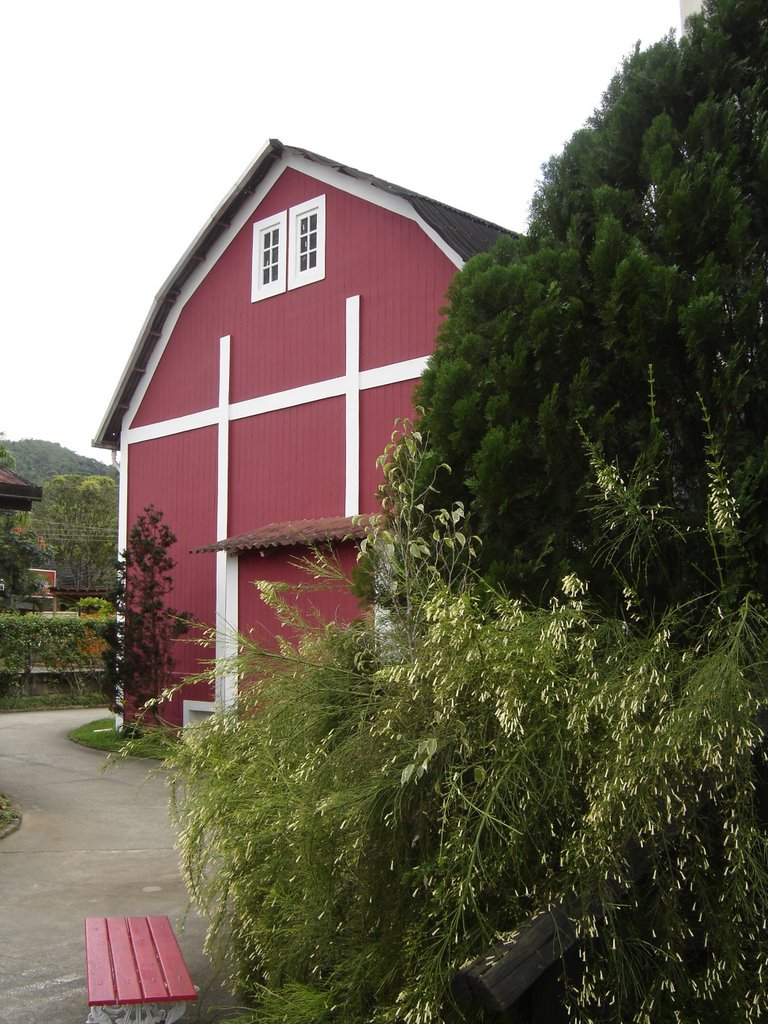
187, 377
178, 475
379, 408
287, 465
294, 339
336, 604
298, 337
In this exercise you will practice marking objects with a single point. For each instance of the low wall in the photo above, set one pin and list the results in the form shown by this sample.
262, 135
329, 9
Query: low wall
40, 682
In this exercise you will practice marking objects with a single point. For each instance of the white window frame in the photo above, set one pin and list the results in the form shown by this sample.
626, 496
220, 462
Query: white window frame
297, 278
260, 290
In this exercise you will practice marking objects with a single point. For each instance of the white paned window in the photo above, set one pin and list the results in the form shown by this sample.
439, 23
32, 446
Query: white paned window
306, 244
270, 238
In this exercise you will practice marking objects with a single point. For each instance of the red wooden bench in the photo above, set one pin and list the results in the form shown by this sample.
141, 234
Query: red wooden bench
135, 971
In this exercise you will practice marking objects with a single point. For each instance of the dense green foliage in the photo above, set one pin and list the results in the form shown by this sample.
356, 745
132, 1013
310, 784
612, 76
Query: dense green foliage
78, 519
387, 800
147, 625
72, 647
21, 549
648, 247
7, 460
40, 461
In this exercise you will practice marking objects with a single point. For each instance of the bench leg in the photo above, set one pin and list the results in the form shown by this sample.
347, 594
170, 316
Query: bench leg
137, 1013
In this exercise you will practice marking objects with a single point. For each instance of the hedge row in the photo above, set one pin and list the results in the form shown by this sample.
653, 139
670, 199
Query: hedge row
59, 643
52, 701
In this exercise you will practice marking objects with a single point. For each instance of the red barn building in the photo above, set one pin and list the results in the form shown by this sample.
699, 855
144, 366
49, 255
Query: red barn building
268, 374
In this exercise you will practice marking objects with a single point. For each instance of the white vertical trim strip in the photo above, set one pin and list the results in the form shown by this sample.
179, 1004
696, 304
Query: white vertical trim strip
228, 683
222, 471
352, 408
223, 623
122, 499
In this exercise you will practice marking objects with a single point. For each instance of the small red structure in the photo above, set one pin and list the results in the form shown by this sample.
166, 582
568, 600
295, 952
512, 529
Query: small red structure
269, 373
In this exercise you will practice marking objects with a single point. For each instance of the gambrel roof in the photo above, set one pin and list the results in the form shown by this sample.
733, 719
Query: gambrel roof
462, 234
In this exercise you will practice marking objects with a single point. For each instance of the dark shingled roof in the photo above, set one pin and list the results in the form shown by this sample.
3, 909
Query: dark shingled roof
464, 233
298, 531
16, 493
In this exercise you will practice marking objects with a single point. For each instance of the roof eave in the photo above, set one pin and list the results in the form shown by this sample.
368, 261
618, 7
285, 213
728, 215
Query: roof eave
17, 494
108, 435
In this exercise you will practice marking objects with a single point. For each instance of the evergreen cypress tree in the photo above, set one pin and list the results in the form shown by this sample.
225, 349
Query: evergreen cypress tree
647, 255
143, 663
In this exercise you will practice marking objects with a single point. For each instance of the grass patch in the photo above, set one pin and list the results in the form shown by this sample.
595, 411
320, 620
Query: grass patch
7, 813
102, 735
52, 701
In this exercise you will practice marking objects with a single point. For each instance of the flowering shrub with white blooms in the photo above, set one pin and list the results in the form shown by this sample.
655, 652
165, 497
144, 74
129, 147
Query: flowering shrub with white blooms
380, 808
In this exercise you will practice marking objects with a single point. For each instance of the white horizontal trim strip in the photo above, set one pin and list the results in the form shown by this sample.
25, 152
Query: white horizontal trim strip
395, 373
179, 425
286, 399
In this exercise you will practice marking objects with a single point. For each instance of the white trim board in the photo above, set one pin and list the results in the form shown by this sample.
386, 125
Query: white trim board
371, 194
352, 408
193, 710
222, 455
335, 387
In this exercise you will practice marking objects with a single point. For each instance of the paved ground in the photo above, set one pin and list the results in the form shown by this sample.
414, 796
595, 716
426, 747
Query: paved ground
90, 844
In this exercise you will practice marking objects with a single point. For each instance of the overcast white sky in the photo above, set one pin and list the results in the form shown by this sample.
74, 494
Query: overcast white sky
123, 125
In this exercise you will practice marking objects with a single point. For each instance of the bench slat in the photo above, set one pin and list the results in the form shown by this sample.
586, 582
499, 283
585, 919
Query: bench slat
176, 974
147, 963
98, 963
127, 984
134, 960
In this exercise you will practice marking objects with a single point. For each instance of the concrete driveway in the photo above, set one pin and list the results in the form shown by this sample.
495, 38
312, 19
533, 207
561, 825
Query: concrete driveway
90, 844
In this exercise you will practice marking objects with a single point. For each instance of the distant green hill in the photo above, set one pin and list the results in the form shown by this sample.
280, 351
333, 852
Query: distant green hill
39, 461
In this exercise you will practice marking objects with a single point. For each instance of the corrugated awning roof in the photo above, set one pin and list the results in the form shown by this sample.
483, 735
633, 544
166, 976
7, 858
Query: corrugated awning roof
16, 493
297, 531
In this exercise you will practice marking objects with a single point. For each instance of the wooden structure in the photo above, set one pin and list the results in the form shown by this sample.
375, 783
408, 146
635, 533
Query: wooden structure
16, 493
526, 971
267, 378
135, 971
